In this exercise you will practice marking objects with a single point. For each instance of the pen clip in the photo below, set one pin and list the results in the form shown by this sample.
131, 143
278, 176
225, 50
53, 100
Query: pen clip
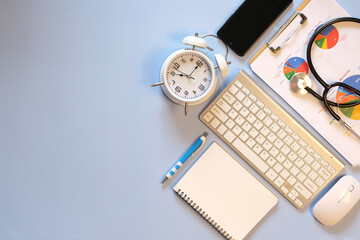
202, 144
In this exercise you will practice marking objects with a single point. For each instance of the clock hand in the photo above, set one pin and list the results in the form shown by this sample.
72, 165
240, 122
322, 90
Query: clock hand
193, 70
182, 72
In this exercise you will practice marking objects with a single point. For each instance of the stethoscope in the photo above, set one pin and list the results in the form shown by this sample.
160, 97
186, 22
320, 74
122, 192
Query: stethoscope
301, 82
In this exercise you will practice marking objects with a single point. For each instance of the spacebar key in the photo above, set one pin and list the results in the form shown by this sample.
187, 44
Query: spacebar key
250, 155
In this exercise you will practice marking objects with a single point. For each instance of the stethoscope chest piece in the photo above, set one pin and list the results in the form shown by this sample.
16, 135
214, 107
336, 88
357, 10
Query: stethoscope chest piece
299, 82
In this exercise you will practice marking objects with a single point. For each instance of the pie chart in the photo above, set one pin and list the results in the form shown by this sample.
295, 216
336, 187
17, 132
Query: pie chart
344, 95
295, 65
327, 38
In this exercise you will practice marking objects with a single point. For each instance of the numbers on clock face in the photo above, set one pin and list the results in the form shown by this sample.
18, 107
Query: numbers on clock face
189, 75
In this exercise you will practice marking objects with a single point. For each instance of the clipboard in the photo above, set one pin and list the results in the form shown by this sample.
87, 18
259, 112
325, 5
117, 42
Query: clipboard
285, 54
281, 30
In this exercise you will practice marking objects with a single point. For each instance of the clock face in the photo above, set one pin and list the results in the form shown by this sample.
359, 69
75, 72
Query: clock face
189, 75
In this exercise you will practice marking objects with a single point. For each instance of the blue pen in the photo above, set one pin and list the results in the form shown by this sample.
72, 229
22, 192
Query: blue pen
193, 149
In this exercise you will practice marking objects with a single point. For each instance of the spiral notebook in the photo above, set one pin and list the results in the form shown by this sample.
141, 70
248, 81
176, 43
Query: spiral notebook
225, 193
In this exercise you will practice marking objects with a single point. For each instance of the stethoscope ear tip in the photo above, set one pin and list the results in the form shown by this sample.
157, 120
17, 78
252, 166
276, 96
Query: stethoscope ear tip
299, 82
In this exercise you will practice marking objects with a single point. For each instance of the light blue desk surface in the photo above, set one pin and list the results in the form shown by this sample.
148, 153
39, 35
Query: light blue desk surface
85, 141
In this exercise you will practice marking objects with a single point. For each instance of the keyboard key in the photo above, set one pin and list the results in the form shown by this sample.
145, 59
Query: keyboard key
288, 140
237, 105
301, 177
279, 181
240, 96
316, 165
302, 190
295, 147
284, 189
302, 143
285, 174
244, 112
265, 131
253, 97
288, 130
310, 150
245, 90
310, 185
219, 113
260, 103
313, 175
232, 114
253, 133
294, 171
274, 127
278, 167
229, 98
296, 194
237, 130
250, 142
230, 124
271, 174
215, 123
233, 89
251, 118
267, 110
296, 137
298, 202
268, 121
324, 173
239, 120
246, 126
238, 83
287, 164
247, 102
291, 196
208, 116
292, 156
261, 115
281, 124
281, 134
244, 136
331, 169
271, 161
280, 158
267, 145
229, 136
222, 129
317, 156
309, 159
257, 149
278, 143
260, 139
274, 152
258, 125
319, 181
285, 150
273, 116
306, 169
302, 153
299, 163
324, 163
264, 155
254, 108
271, 137
223, 105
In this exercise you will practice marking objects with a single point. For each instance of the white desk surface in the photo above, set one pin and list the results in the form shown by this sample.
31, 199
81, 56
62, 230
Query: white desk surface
85, 140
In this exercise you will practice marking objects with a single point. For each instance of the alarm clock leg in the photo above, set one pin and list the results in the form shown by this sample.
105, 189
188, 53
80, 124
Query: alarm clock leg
186, 108
157, 84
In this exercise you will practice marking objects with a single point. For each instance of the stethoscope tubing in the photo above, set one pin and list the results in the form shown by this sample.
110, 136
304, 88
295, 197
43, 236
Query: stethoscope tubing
326, 86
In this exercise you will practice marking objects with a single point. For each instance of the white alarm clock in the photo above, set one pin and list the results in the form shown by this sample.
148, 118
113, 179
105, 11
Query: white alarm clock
188, 76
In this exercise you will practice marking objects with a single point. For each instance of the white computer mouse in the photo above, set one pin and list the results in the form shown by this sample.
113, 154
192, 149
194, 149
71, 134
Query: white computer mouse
338, 201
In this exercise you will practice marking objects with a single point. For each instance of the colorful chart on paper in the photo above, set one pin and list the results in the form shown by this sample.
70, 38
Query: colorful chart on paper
295, 65
344, 96
327, 38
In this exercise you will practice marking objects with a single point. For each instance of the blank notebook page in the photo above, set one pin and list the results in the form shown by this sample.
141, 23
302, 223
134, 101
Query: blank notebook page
225, 193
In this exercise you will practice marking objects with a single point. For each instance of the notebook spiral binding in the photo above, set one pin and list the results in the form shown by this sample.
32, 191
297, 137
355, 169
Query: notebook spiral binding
203, 214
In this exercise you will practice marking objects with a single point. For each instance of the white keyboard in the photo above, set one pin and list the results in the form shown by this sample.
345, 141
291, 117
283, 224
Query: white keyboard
271, 141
